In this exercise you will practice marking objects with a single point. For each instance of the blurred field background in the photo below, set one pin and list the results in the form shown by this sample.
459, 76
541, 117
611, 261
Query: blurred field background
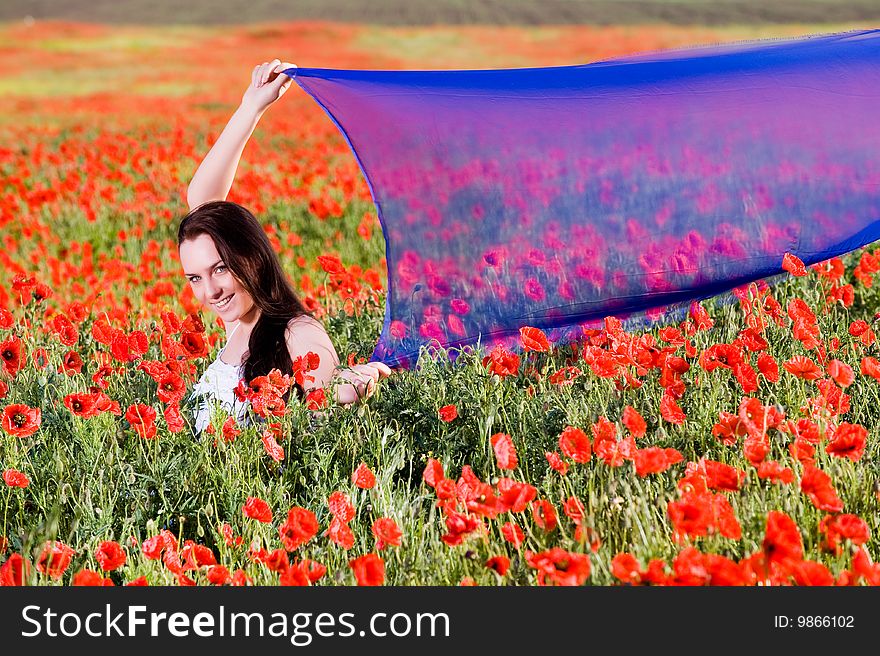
453, 12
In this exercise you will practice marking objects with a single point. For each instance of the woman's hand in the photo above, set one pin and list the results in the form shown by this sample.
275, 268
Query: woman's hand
359, 381
268, 84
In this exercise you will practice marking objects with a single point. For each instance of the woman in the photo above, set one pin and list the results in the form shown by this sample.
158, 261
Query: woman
231, 267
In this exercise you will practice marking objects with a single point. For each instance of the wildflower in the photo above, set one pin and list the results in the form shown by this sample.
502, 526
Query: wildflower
363, 477
12, 354
142, 419
782, 541
560, 567
54, 559
793, 265
21, 420
300, 527
575, 444
87, 577
505, 451
816, 484
634, 422
110, 555
447, 413
513, 534
387, 532
848, 441
369, 570
654, 460
433, 472
533, 339
14, 478
556, 462
257, 509
500, 564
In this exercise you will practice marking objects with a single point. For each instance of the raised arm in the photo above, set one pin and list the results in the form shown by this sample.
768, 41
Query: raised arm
213, 179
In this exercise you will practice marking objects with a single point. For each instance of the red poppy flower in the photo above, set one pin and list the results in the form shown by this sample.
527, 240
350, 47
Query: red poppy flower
363, 477
294, 575
193, 345
634, 422
82, 405
142, 418
565, 376
560, 567
575, 444
300, 527
782, 540
515, 496
556, 462
701, 317
341, 507
775, 472
87, 577
110, 556
369, 570
448, 412
574, 509
387, 532
501, 362
256, 508
513, 534
816, 484
768, 367
173, 418
21, 420
803, 367
459, 526
505, 451
172, 387
6, 319
14, 478
793, 265
140, 581
841, 372
218, 575
654, 460
626, 568
670, 410
271, 446
12, 354
720, 476
843, 527
54, 559
71, 364
544, 515
433, 472
15, 571
4, 390
533, 339
500, 564
848, 441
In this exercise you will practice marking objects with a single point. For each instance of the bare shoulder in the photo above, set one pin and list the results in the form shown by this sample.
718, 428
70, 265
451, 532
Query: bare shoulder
306, 334
304, 325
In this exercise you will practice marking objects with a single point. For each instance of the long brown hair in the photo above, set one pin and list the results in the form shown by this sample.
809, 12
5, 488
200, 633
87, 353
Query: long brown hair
242, 243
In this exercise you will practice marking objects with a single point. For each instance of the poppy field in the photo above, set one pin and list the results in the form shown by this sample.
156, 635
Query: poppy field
736, 446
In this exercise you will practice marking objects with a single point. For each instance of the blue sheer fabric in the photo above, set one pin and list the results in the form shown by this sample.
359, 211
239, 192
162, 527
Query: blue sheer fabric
553, 197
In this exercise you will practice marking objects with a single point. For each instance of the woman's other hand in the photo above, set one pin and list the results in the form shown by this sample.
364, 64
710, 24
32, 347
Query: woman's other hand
359, 382
268, 84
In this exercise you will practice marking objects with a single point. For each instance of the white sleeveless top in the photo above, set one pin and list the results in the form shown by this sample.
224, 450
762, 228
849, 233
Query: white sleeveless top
218, 384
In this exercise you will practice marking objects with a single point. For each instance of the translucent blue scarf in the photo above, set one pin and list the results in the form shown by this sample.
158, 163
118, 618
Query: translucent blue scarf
553, 197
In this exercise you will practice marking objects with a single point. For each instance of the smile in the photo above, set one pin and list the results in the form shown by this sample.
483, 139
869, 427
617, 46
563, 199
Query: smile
224, 302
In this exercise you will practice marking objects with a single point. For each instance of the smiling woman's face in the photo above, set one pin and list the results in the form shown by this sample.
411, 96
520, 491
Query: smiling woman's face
212, 282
